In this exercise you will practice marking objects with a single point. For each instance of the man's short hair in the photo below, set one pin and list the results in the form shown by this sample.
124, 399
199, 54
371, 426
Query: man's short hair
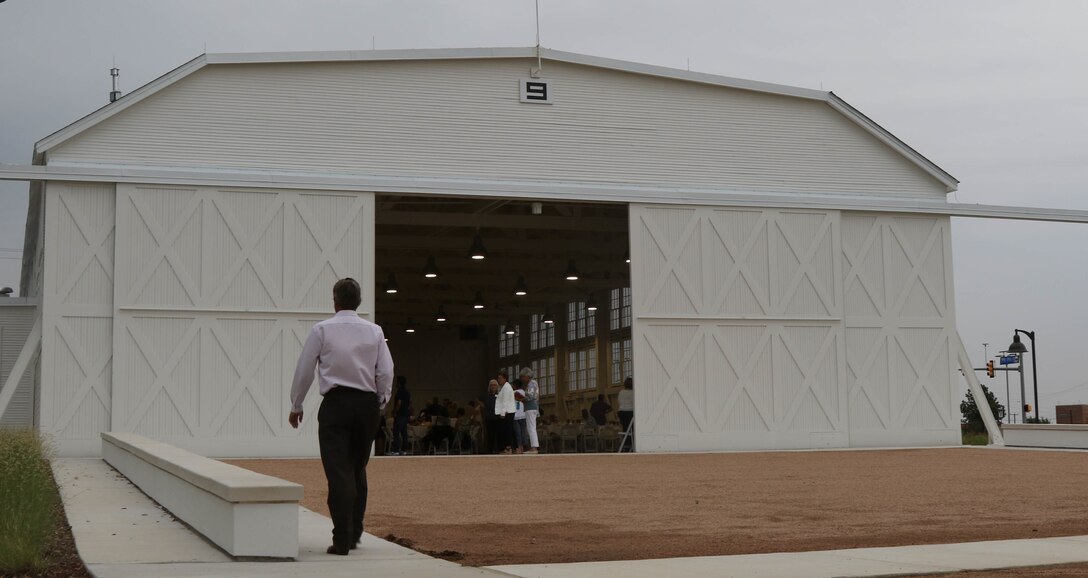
402, 381
347, 294
504, 375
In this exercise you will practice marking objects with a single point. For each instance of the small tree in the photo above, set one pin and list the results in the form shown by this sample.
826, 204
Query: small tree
972, 419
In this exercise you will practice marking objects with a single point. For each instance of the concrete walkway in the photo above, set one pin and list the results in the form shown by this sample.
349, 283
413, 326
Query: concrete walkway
121, 533
896, 561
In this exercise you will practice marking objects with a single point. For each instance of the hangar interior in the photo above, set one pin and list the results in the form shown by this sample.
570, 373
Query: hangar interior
453, 321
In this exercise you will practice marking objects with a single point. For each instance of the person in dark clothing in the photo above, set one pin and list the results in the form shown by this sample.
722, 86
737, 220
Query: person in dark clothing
441, 430
380, 438
599, 410
402, 412
492, 425
435, 410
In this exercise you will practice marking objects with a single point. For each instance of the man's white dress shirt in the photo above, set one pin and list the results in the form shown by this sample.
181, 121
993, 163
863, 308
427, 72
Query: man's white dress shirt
349, 351
505, 403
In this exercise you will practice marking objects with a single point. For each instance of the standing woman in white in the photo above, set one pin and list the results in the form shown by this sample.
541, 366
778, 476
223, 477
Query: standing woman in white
505, 408
532, 407
355, 377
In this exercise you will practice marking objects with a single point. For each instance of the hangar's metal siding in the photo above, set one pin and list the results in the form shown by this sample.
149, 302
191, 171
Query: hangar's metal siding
775, 329
77, 315
16, 321
462, 118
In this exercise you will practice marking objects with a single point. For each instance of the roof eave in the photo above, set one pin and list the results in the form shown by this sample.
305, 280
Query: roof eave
58, 137
950, 183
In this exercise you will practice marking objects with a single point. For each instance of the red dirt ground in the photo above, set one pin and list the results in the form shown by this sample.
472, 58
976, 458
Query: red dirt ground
574, 508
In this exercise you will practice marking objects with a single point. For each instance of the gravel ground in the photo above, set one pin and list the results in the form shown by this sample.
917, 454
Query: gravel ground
574, 508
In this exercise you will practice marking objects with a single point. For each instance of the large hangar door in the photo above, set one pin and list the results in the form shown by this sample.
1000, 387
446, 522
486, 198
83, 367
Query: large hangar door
738, 332
215, 291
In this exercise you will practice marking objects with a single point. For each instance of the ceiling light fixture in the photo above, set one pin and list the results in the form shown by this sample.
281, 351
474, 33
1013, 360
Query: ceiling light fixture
509, 330
547, 319
572, 271
478, 302
519, 288
391, 284
591, 305
441, 315
477, 251
430, 270
627, 257
411, 327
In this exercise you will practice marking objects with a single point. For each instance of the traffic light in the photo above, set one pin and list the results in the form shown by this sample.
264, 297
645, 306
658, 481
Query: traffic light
990, 368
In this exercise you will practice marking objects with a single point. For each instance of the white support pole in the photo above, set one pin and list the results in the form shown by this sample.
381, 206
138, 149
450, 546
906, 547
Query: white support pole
26, 356
996, 439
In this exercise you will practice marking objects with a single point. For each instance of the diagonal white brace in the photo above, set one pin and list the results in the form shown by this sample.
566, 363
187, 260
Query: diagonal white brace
26, 357
996, 439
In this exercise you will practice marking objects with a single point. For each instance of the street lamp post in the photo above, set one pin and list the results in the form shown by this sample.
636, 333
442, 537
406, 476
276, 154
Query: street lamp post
1018, 347
1008, 399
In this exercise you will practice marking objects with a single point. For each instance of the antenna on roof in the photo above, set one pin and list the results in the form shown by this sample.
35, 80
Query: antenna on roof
114, 72
535, 72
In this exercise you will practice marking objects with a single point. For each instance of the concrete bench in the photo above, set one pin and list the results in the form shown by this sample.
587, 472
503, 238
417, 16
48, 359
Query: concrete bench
245, 513
1072, 436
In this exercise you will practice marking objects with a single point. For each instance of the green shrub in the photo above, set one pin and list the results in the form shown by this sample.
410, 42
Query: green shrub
975, 439
27, 501
972, 419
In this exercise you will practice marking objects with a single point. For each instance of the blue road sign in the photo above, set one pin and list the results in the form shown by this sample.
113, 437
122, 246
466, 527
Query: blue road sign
1010, 359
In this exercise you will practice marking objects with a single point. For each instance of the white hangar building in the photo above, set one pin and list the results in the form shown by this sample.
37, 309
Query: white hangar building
789, 283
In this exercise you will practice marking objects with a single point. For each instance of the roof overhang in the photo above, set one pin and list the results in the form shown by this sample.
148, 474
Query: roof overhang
147, 90
528, 190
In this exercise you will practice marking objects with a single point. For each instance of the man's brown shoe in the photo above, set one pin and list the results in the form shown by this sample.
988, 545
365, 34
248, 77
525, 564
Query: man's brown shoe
338, 550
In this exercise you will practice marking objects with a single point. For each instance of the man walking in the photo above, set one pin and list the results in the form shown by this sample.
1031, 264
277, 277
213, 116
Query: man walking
355, 377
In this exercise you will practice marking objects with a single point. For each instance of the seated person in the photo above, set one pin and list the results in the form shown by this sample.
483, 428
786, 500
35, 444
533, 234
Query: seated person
441, 430
588, 422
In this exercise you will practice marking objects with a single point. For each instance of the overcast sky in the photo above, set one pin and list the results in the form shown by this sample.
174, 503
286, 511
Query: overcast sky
992, 91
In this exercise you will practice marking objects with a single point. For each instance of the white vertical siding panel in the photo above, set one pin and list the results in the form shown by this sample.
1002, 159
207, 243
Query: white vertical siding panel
900, 327
206, 353
16, 321
77, 297
739, 340
462, 118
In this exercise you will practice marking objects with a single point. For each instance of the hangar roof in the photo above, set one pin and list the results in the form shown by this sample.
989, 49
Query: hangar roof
867, 124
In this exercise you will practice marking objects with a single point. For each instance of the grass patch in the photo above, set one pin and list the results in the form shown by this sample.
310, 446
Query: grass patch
975, 439
28, 502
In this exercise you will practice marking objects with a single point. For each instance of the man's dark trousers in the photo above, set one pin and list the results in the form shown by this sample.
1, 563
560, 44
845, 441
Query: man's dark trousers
346, 425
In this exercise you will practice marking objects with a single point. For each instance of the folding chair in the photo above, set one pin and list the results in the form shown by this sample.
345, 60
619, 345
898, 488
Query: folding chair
568, 436
388, 439
628, 438
458, 442
589, 440
608, 437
